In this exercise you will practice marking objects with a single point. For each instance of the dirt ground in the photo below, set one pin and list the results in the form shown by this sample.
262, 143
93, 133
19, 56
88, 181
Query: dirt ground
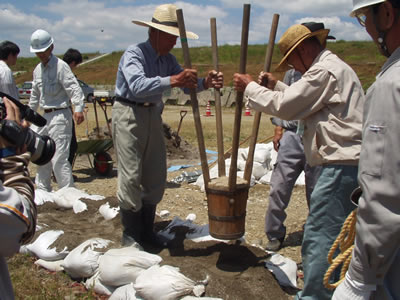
236, 270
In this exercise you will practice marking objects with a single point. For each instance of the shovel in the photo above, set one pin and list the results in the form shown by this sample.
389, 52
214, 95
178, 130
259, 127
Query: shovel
177, 140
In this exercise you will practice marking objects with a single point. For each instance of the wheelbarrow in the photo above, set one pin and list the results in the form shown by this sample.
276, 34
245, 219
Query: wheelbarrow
97, 147
102, 161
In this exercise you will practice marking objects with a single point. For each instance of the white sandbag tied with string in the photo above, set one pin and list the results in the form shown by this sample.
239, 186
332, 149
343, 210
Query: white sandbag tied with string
83, 261
125, 292
122, 266
41, 246
93, 283
166, 283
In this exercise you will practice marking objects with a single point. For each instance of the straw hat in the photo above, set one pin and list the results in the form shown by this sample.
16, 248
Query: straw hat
293, 37
164, 19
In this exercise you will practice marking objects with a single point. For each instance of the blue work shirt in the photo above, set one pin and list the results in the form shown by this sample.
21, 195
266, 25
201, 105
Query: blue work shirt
143, 75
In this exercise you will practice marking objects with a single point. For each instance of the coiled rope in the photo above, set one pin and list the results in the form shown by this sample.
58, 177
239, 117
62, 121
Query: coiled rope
345, 243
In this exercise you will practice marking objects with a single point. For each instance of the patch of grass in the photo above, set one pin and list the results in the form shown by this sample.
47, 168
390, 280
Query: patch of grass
32, 282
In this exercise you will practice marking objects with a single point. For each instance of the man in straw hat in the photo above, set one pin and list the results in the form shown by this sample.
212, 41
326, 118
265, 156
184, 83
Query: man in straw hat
145, 71
374, 271
290, 163
328, 101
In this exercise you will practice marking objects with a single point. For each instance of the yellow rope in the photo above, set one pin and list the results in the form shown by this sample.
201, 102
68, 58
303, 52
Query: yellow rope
345, 243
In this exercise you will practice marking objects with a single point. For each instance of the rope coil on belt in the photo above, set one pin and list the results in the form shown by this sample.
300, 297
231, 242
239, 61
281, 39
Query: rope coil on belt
15, 174
344, 242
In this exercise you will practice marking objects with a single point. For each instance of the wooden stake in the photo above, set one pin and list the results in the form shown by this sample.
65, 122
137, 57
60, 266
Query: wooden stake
257, 117
239, 98
193, 100
217, 95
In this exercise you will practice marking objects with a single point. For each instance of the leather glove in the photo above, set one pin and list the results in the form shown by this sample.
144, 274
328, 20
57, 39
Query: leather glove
350, 289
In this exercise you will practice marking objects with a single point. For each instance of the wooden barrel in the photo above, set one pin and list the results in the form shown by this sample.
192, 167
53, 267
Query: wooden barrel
227, 210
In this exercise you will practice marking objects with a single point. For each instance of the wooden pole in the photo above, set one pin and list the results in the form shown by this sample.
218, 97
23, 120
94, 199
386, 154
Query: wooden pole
193, 100
217, 95
239, 98
257, 117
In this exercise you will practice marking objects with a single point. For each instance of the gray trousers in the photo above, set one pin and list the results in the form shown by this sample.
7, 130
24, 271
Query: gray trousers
291, 161
139, 143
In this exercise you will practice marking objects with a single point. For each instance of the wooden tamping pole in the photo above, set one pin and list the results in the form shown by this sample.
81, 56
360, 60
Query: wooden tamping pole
239, 99
217, 95
257, 117
193, 100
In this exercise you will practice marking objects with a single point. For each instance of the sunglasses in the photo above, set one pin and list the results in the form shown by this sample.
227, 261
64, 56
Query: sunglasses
361, 15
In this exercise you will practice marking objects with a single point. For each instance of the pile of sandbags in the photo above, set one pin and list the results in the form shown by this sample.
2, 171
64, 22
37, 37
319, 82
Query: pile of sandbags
127, 272
263, 164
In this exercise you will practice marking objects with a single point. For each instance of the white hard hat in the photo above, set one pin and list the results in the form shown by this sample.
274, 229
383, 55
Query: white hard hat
357, 4
41, 40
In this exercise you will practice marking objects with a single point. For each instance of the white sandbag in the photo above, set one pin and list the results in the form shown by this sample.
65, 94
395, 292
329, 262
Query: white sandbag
83, 261
262, 153
214, 174
165, 283
241, 165
125, 292
259, 170
266, 179
284, 269
108, 212
122, 266
242, 153
79, 207
93, 283
72, 193
42, 196
53, 266
41, 246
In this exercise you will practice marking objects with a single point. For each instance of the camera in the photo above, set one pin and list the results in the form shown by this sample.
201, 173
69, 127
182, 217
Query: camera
41, 147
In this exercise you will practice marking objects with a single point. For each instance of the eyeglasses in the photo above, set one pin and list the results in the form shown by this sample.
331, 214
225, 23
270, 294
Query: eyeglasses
361, 15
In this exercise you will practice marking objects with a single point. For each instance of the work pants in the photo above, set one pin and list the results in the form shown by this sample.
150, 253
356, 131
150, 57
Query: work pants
59, 128
139, 142
291, 161
330, 205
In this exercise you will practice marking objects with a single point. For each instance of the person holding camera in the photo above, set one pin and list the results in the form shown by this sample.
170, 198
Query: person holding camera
54, 88
8, 57
17, 207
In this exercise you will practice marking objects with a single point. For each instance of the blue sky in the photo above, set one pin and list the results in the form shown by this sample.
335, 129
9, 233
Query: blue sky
106, 25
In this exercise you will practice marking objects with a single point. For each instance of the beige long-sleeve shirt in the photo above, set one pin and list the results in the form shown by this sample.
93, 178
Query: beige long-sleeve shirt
329, 100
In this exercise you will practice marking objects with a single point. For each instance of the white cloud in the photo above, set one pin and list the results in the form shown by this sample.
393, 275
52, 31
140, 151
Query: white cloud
106, 25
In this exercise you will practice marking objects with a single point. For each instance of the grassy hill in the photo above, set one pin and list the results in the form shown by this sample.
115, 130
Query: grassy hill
362, 56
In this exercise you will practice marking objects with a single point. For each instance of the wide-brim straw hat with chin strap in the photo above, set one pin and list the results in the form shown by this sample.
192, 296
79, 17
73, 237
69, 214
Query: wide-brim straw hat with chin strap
164, 19
293, 37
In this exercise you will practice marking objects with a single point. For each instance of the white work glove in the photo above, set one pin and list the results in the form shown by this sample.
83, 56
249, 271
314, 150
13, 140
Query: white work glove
350, 289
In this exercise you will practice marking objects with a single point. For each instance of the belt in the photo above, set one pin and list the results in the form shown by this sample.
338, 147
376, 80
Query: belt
127, 101
49, 110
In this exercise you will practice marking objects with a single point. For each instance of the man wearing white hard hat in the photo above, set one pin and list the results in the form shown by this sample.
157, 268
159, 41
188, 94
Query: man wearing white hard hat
374, 271
145, 71
53, 86
328, 100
